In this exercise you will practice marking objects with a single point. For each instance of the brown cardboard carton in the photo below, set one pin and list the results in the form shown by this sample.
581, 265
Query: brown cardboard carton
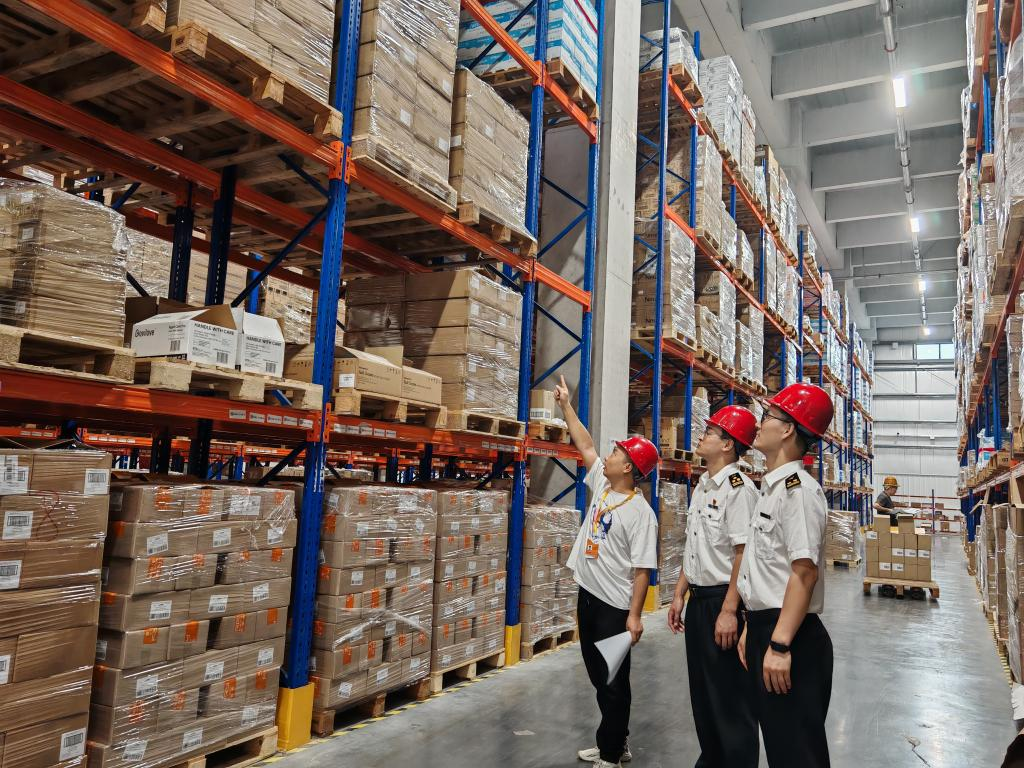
218, 601
331, 694
197, 571
115, 688
367, 373
113, 725
337, 609
187, 638
84, 472
910, 571
209, 667
220, 536
270, 623
139, 576
342, 661
262, 686
453, 284
47, 609
905, 524
180, 708
253, 565
36, 655
271, 593
62, 695
127, 612
345, 581
420, 386
355, 553
138, 539
46, 516
42, 564
136, 648
53, 743
265, 654
146, 503
232, 631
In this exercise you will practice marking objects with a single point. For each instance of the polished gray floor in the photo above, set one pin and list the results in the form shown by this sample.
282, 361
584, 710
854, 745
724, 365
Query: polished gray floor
916, 684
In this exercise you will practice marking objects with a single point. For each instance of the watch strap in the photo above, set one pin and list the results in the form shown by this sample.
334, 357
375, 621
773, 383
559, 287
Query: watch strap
778, 647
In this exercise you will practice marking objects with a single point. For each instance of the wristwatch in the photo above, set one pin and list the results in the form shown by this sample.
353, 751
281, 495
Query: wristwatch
778, 647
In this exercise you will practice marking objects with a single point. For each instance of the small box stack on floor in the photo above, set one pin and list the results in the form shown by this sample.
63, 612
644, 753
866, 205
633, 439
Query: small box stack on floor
57, 240
53, 511
197, 583
841, 539
373, 612
469, 577
901, 553
547, 605
672, 511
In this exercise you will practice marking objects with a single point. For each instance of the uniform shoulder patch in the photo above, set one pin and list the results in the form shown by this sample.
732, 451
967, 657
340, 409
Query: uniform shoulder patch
736, 479
793, 481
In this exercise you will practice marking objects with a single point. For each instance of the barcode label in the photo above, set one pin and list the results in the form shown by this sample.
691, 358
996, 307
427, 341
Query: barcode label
250, 715
5, 669
17, 525
101, 650
345, 690
147, 686
260, 592
159, 610
222, 537
274, 535
72, 744
499, 586
265, 657
97, 482
382, 674
357, 578
218, 604
414, 664
449, 571
270, 366
222, 358
10, 574
134, 750
362, 529
253, 505
14, 480
214, 671
192, 739
157, 544
175, 345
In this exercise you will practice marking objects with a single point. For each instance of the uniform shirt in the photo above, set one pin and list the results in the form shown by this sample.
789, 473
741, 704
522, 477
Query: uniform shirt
626, 539
716, 524
788, 524
884, 500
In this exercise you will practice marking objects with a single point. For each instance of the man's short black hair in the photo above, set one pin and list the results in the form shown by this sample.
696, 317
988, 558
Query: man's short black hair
805, 438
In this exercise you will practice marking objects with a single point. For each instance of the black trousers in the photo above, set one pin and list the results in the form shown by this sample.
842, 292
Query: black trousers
597, 621
793, 724
720, 690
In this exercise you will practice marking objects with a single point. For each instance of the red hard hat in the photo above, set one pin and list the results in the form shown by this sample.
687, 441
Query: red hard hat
737, 422
641, 452
808, 405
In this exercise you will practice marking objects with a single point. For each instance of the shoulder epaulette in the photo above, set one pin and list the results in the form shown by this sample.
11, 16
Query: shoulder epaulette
793, 481
736, 479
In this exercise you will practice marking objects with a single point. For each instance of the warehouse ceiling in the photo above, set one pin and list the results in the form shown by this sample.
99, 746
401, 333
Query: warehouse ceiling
818, 76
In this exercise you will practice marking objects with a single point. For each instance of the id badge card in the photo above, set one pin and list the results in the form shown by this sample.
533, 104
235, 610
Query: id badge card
592, 549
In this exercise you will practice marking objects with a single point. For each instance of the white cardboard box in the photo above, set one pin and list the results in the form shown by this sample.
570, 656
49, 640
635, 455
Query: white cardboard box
260, 343
202, 336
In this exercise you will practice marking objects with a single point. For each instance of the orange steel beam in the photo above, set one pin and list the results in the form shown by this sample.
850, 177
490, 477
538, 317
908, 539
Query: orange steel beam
94, 25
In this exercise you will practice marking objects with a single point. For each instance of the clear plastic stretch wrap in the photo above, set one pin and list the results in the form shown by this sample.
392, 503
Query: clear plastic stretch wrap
709, 334
1014, 584
745, 254
716, 292
699, 414
708, 215
489, 151
1009, 138
722, 86
748, 128
465, 327
572, 38
62, 264
677, 280
728, 236
671, 537
374, 610
754, 319
760, 186
744, 361
709, 188
469, 576
791, 355
548, 597
404, 93
291, 305
791, 296
292, 38
841, 535
197, 582
680, 50
781, 265
770, 262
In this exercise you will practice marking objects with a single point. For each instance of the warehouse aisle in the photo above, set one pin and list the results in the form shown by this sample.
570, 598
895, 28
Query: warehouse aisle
906, 672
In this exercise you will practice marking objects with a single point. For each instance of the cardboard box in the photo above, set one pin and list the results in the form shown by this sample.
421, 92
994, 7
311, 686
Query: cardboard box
146, 503
543, 406
81, 472
48, 609
346, 581
143, 540
209, 667
345, 660
332, 694
41, 564
42, 515
137, 308
178, 709
420, 386
115, 687
355, 553
52, 743
113, 725
61, 694
205, 336
136, 648
236, 567
217, 601
220, 536
260, 343
188, 638
352, 368
232, 631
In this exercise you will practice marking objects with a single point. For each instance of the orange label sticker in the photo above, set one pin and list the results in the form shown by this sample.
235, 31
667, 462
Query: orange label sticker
356, 545
375, 598
178, 701
318, 628
109, 598
191, 631
350, 602
271, 616
205, 499
240, 621
261, 680
346, 654
330, 523
136, 711
199, 560
276, 554
371, 650
164, 495
362, 497
118, 528
150, 635
155, 567
402, 640
325, 573
230, 688
245, 556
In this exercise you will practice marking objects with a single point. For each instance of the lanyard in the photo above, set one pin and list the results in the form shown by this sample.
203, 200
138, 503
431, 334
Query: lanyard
600, 509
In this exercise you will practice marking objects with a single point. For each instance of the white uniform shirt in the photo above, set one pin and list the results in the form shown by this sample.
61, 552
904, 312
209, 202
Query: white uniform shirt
716, 524
788, 524
626, 539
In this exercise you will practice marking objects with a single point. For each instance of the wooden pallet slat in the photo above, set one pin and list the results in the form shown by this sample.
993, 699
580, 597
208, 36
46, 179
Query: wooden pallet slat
177, 375
325, 721
465, 670
370, 405
37, 351
535, 648
497, 228
549, 431
236, 752
487, 423
900, 585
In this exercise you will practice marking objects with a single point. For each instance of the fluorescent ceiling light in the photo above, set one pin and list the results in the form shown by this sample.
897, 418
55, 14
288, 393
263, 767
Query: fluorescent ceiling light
927, 331
915, 224
899, 92
922, 285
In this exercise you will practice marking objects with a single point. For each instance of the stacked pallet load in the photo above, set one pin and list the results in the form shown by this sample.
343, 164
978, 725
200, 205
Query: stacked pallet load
404, 94
1000, 521
1009, 151
547, 606
468, 580
571, 43
1014, 588
745, 256
490, 142
53, 507
197, 582
1014, 348
672, 511
679, 51
841, 544
716, 293
748, 128
373, 607
48, 240
900, 553
677, 321
722, 86
291, 305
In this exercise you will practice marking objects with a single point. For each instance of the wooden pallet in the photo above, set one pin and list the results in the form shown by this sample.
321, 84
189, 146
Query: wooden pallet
467, 670
901, 585
528, 651
236, 753
669, 332
487, 423
325, 720
848, 564
399, 169
680, 455
709, 241
176, 375
497, 229
39, 352
550, 431
368, 405
516, 87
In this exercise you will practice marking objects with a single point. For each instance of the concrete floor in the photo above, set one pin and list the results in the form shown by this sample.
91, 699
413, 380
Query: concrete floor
910, 677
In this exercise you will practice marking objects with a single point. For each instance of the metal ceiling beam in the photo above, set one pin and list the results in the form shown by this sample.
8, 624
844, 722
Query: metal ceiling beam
910, 308
910, 278
883, 270
907, 291
841, 64
766, 14
930, 194
912, 320
874, 165
895, 229
926, 108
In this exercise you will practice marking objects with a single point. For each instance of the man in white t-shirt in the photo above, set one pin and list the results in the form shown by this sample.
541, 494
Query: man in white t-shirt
614, 550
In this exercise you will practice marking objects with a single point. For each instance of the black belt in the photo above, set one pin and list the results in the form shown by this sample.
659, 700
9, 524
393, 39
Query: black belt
704, 593
764, 615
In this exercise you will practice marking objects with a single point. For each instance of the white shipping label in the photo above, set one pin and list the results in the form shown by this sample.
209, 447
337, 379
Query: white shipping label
218, 604
14, 480
471, 566
406, 117
134, 750
260, 592
146, 686
192, 739
97, 482
489, 131
443, 144
20, 307
72, 744
346, 380
27, 233
414, 663
275, 535
159, 610
873, 535
390, 628
897, 552
420, 525
382, 674
249, 715
5, 669
222, 537
253, 505
101, 650
924, 554
897, 567
499, 586
345, 690
414, 572
362, 530
214, 671
474, 310
390, 575
17, 525
357, 578
10, 574
456, 141
474, 523
213, 344
456, 524
265, 657
449, 571
157, 544
390, 525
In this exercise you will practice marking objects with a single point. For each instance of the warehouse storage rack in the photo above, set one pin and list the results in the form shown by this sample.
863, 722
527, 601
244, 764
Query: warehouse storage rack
323, 161
997, 24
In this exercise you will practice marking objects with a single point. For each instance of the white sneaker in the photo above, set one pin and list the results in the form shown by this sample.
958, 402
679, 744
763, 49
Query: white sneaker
593, 755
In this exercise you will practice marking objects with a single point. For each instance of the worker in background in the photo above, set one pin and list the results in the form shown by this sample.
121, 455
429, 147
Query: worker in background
716, 532
614, 550
884, 502
784, 645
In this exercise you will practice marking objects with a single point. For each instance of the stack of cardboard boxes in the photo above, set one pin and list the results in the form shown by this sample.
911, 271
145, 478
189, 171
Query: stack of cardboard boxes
717, 293
469, 577
677, 281
50, 240
901, 553
53, 511
373, 612
722, 86
548, 595
708, 184
672, 513
197, 582
1014, 587
841, 536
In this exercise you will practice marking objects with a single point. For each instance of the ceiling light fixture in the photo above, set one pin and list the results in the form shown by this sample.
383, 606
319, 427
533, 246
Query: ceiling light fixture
922, 285
927, 331
899, 92
915, 224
